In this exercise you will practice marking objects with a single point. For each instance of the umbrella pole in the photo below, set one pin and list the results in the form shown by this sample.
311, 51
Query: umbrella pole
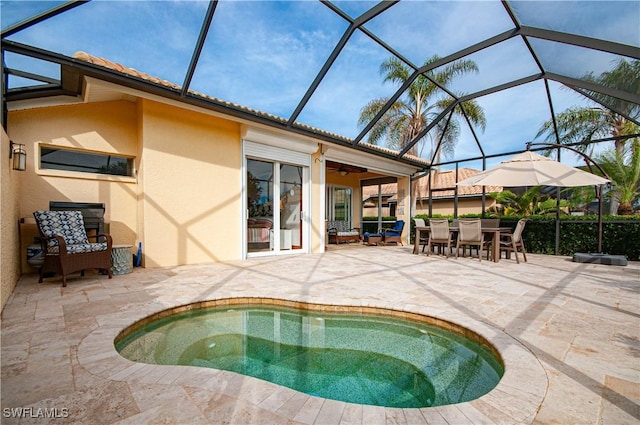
599, 188
557, 247
599, 191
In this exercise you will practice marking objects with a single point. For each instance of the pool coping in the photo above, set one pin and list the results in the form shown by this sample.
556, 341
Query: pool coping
516, 399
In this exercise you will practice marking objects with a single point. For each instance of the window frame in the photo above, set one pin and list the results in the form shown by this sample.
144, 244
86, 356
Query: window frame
43, 170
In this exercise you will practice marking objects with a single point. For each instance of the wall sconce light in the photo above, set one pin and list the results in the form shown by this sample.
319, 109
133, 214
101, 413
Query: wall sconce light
19, 156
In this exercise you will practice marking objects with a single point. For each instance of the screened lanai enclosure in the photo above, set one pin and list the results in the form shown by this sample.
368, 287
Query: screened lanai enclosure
490, 73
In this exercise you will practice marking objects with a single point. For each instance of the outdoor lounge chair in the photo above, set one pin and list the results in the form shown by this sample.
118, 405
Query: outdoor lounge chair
470, 233
511, 242
394, 234
440, 235
66, 245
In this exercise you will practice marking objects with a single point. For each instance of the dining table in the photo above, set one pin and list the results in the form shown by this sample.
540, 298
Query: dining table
493, 232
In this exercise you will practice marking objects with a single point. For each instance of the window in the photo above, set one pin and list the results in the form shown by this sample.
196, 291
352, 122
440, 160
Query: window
85, 162
339, 203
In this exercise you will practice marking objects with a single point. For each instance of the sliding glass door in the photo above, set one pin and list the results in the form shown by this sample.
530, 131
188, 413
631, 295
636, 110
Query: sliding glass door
274, 200
291, 206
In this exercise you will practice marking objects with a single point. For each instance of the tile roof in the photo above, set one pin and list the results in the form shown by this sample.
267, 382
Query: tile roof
388, 190
447, 180
105, 63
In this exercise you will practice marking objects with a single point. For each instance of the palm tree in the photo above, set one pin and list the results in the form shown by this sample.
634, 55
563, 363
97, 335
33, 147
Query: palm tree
531, 202
623, 168
412, 113
582, 124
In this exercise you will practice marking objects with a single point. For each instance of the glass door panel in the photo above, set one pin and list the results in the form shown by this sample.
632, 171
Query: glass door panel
260, 198
339, 204
290, 207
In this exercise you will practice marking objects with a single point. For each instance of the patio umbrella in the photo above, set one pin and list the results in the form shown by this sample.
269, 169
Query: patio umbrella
530, 169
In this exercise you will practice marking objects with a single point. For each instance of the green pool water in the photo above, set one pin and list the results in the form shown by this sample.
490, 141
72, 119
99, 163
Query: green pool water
354, 358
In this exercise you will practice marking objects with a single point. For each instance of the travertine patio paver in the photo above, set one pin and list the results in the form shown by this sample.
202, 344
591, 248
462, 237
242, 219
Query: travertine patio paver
569, 334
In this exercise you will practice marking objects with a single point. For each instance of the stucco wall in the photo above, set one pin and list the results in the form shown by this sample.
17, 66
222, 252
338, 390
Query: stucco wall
190, 187
106, 127
465, 206
184, 202
10, 188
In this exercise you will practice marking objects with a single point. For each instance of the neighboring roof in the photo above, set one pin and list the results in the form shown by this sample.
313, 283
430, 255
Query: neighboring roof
388, 191
444, 183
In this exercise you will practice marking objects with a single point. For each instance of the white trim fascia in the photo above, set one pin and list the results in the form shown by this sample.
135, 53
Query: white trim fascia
280, 140
43, 102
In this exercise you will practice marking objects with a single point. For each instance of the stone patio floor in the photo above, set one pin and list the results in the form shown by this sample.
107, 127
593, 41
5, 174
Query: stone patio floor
568, 333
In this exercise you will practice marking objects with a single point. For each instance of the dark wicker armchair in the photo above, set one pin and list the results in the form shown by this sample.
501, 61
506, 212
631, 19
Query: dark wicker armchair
67, 247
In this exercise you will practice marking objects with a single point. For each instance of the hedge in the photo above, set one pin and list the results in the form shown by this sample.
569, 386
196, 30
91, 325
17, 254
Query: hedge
370, 224
620, 234
619, 237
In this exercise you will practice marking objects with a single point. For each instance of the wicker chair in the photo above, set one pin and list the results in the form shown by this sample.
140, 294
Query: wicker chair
66, 245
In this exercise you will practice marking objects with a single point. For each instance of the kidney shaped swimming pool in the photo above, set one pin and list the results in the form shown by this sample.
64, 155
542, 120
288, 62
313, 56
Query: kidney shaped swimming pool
375, 359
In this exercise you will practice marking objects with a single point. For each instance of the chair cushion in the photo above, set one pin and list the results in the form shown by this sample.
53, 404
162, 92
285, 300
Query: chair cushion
81, 248
68, 224
354, 233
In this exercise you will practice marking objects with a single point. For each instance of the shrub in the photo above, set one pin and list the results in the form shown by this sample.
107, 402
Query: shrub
620, 235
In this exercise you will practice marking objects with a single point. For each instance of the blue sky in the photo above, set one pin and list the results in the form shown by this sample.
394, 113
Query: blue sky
264, 54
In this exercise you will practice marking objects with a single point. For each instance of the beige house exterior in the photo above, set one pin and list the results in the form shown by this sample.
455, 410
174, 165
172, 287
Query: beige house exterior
186, 199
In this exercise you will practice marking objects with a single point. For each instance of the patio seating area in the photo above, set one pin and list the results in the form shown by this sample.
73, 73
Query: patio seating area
568, 333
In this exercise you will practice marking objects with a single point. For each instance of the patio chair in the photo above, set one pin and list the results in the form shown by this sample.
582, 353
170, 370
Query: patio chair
511, 242
470, 233
394, 234
439, 235
66, 245
419, 222
339, 231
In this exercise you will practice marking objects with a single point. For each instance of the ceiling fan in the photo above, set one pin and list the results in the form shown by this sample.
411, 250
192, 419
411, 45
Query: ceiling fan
344, 169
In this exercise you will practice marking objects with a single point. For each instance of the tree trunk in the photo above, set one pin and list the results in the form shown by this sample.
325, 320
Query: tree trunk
625, 209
